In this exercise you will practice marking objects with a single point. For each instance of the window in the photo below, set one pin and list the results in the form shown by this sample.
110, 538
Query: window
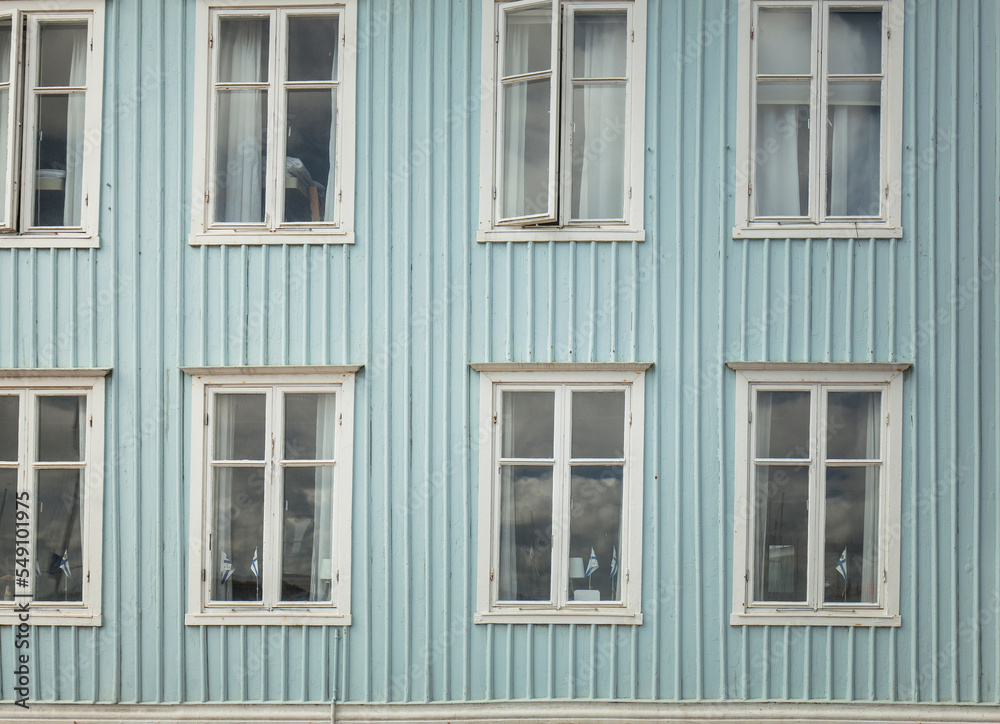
271, 496
274, 155
820, 119
562, 154
50, 123
51, 483
560, 493
817, 494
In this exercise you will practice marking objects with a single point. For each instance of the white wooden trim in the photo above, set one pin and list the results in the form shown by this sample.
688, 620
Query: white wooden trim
35, 376
334, 378
886, 612
889, 226
91, 384
627, 610
635, 116
523, 712
342, 232
534, 367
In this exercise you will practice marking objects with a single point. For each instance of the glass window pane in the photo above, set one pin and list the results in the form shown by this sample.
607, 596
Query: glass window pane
61, 427
525, 570
8, 506
528, 46
307, 535
5, 43
784, 42
855, 42
309, 140
600, 43
525, 152
243, 53
781, 155
853, 425
598, 424
240, 156
853, 148
852, 512
59, 159
9, 428
238, 534
782, 424
312, 47
240, 427
58, 536
310, 426
599, 152
782, 529
62, 57
528, 424
595, 528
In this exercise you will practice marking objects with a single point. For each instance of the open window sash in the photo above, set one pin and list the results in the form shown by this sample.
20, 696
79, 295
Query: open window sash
73, 181
526, 192
10, 101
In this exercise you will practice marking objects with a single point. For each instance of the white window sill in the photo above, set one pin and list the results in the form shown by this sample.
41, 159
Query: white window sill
239, 238
616, 615
817, 231
561, 234
49, 241
277, 617
862, 617
40, 614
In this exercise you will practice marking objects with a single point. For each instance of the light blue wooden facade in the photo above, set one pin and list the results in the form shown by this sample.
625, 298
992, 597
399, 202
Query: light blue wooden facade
417, 299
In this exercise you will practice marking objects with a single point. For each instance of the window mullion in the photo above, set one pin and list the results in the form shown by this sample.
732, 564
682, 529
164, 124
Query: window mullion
268, 557
562, 78
279, 133
555, 91
12, 139
817, 495
818, 111
29, 133
26, 479
560, 502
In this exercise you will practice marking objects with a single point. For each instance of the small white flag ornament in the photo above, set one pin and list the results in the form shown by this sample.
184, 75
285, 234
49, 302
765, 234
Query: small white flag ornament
253, 564
842, 564
226, 568
592, 564
614, 562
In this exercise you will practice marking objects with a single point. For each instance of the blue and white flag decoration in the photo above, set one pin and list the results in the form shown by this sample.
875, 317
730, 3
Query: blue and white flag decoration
64, 565
592, 564
842, 564
226, 568
614, 562
38, 571
253, 564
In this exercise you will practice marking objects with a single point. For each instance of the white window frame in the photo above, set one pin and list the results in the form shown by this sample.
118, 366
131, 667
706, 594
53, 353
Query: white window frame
493, 379
29, 384
888, 224
205, 383
628, 229
887, 378
19, 234
272, 231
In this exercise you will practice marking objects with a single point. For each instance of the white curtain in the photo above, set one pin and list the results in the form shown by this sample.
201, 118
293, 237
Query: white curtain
776, 188
225, 419
320, 583
75, 121
762, 430
4, 109
870, 559
854, 160
600, 185
239, 131
330, 210
508, 514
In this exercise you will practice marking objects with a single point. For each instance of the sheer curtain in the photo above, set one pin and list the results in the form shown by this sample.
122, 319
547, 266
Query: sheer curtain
600, 118
75, 120
869, 562
320, 582
761, 492
225, 418
854, 158
507, 590
330, 210
4, 109
240, 135
777, 187
515, 126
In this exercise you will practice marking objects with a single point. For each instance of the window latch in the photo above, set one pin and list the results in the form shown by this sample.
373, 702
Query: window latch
491, 575
202, 574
